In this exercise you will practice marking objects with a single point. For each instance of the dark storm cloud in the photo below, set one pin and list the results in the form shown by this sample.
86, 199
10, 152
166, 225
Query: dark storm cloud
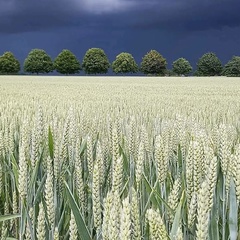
28, 15
190, 15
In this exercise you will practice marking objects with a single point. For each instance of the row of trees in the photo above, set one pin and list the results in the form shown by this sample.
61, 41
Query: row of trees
95, 61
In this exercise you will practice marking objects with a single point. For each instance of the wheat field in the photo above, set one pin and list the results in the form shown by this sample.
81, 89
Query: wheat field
119, 158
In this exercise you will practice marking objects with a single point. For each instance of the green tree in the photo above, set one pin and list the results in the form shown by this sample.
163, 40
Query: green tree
9, 64
181, 66
209, 65
38, 61
124, 63
67, 63
95, 61
232, 68
153, 63
170, 73
196, 73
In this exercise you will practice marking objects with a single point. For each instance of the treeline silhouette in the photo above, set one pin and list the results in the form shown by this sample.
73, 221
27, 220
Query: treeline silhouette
95, 61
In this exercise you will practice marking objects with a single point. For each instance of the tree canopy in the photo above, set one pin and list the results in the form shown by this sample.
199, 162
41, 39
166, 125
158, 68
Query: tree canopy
9, 64
209, 65
95, 61
38, 61
124, 63
181, 66
153, 63
232, 68
67, 63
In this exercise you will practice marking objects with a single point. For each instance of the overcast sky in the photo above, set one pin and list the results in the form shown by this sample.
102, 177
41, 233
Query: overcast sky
175, 28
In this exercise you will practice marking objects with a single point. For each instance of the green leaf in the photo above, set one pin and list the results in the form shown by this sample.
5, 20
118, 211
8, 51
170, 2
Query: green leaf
177, 218
233, 213
82, 228
38, 194
214, 220
14, 168
125, 161
9, 217
83, 147
151, 197
50, 142
23, 218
